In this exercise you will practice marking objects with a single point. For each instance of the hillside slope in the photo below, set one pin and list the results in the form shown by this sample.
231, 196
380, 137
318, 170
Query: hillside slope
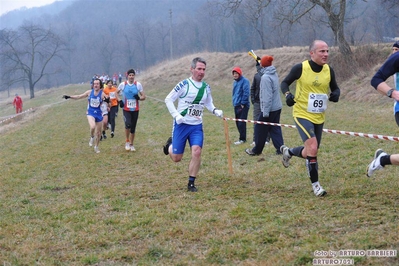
219, 65
161, 78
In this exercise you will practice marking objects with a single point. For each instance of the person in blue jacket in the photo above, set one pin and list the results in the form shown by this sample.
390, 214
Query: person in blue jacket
241, 92
389, 68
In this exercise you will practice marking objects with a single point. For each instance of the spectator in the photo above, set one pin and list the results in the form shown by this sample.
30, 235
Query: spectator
17, 103
240, 102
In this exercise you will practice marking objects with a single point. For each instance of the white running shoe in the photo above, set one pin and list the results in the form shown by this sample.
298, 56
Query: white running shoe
286, 155
132, 148
319, 191
127, 146
376, 163
96, 150
238, 142
91, 141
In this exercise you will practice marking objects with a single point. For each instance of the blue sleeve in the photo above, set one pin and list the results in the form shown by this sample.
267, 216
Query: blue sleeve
246, 92
390, 67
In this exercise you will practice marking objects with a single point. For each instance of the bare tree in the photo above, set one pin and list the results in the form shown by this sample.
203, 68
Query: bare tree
254, 12
142, 37
335, 11
106, 50
127, 50
392, 7
70, 36
294, 10
27, 53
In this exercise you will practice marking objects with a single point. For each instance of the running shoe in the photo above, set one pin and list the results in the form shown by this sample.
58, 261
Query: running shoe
286, 155
239, 142
96, 150
166, 146
91, 141
319, 191
112, 134
127, 146
132, 148
376, 163
191, 188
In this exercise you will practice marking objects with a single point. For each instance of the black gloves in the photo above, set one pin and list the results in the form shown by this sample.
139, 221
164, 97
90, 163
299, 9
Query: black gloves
66, 97
289, 99
106, 99
334, 95
121, 104
137, 97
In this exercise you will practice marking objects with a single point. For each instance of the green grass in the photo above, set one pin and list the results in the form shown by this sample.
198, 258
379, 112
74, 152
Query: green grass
62, 204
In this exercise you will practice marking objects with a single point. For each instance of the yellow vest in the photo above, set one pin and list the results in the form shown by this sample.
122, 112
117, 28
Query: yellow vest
307, 85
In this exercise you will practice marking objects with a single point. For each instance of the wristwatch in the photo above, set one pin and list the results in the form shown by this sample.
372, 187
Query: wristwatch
389, 93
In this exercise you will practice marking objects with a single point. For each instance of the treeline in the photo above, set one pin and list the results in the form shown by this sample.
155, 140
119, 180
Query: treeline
104, 37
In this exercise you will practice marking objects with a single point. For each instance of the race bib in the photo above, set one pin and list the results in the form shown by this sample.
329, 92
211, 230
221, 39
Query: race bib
195, 110
131, 104
112, 95
317, 103
94, 102
104, 108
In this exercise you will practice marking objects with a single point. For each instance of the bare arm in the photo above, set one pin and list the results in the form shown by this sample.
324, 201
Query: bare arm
81, 96
383, 88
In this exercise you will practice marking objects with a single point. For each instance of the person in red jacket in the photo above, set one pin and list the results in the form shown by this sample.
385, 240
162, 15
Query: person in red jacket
17, 103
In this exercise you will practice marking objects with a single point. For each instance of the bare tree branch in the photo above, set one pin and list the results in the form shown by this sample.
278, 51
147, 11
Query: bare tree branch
30, 50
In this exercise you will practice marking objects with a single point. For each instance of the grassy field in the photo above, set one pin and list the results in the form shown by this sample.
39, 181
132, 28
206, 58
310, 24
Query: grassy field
62, 204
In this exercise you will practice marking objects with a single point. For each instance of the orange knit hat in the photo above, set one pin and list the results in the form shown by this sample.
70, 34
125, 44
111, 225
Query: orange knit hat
266, 60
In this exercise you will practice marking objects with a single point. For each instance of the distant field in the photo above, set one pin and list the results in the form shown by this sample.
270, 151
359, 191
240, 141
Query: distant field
62, 204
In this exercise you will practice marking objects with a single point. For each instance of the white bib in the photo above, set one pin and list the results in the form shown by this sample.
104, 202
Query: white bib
131, 104
317, 103
94, 102
195, 110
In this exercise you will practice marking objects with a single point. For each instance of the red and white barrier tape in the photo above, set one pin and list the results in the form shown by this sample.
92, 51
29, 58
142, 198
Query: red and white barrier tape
341, 132
11, 117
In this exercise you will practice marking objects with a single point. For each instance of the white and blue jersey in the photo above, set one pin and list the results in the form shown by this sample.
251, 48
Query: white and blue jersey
192, 97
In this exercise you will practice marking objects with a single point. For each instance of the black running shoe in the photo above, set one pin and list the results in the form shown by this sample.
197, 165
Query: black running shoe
166, 146
112, 134
191, 188
104, 136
